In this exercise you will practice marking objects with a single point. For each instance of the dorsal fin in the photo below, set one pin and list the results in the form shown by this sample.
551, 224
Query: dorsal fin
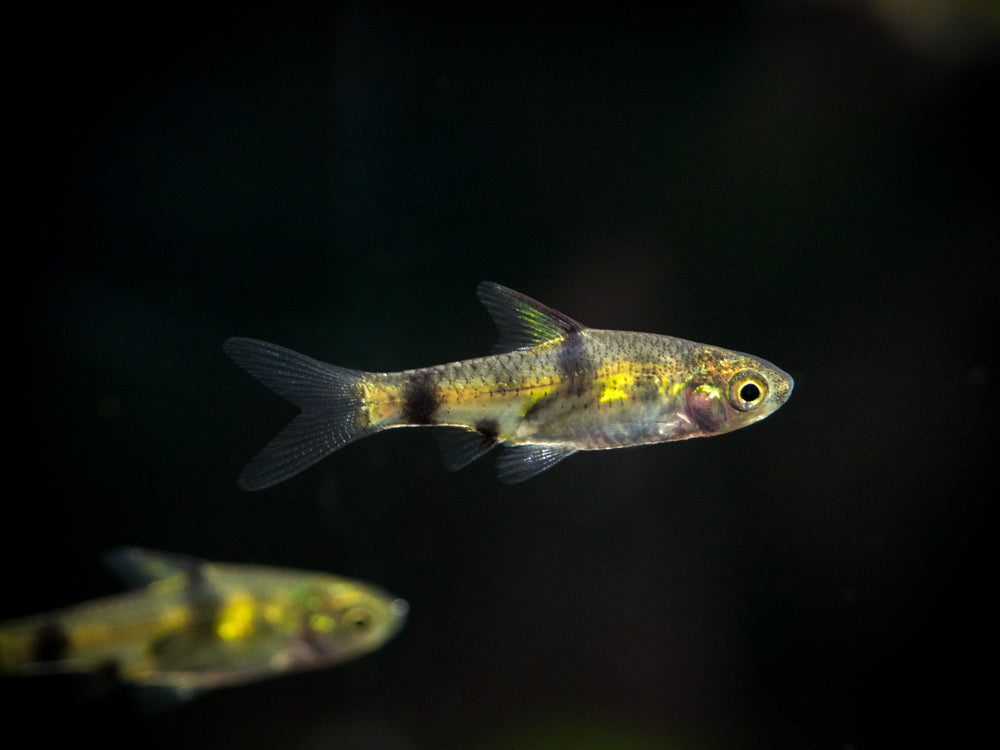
522, 321
141, 567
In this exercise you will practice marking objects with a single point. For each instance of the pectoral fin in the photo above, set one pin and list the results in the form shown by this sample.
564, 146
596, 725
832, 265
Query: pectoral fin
522, 462
460, 447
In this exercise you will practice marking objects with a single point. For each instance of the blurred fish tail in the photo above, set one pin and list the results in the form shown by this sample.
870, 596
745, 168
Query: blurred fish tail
337, 408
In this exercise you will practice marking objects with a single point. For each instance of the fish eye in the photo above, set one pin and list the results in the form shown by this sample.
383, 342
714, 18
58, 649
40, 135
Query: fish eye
357, 618
747, 390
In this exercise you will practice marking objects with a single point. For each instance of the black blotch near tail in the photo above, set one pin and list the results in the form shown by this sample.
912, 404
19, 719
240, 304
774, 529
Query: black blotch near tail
420, 399
489, 429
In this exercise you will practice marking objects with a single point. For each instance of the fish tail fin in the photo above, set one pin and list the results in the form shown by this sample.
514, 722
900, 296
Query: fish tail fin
334, 403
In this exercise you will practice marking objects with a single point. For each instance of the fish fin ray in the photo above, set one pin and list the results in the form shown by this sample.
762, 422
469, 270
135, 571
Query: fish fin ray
520, 462
461, 446
307, 439
304, 381
154, 699
522, 321
332, 415
137, 567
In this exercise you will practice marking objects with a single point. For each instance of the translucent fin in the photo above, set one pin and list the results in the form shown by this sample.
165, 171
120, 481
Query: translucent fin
332, 409
522, 462
522, 321
460, 447
139, 567
159, 699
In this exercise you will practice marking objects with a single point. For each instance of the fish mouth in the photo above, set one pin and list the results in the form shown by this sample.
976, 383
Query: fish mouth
785, 386
781, 384
399, 609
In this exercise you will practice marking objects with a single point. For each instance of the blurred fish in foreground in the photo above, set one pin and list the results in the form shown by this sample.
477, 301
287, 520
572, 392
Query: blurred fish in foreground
552, 387
197, 625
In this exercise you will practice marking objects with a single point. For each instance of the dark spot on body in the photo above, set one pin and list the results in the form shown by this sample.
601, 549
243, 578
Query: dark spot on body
572, 358
160, 647
646, 388
420, 398
489, 429
578, 374
109, 671
51, 643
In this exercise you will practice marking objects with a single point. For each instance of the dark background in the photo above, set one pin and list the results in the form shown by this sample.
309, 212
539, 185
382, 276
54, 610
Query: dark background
814, 184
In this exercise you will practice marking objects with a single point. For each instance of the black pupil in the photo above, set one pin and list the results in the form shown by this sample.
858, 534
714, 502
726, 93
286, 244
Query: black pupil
749, 392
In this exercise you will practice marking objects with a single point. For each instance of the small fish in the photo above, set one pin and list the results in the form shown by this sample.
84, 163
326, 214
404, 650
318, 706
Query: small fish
551, 388
197, 625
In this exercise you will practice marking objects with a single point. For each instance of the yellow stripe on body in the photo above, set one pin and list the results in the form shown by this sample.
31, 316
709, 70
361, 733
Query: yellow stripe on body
381, 401
621, 381
465, 405
460, 400
90, 635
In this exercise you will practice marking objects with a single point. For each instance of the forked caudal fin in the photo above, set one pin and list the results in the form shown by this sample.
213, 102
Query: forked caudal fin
329, 396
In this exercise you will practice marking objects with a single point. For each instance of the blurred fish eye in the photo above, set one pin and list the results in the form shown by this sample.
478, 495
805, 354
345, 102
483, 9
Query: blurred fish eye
747, 390
357, 618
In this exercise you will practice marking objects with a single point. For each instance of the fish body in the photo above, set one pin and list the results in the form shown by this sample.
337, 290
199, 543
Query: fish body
197, 625
551, 388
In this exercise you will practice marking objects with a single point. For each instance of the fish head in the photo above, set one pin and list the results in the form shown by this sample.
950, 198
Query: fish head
341, 620
730, 390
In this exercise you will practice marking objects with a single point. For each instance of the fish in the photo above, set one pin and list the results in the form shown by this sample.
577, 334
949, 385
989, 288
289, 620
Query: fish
550, 388
193, 625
